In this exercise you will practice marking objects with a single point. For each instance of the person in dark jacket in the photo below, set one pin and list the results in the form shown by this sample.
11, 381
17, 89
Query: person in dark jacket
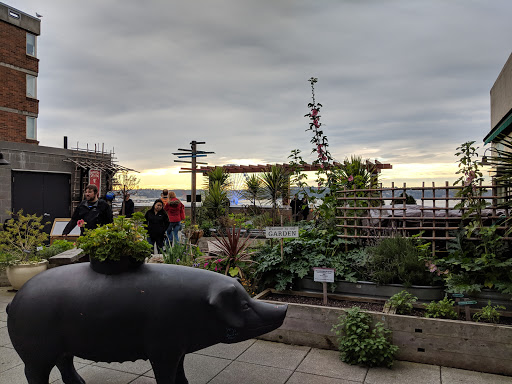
157, 222
93, 211
129, 206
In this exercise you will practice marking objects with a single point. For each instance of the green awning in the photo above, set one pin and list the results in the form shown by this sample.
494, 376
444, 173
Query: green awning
500, 128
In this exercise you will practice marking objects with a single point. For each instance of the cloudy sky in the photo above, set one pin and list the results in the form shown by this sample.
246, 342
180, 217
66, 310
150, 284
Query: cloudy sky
404, 82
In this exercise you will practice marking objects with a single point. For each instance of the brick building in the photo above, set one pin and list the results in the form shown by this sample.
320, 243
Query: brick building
19, 67
42, 180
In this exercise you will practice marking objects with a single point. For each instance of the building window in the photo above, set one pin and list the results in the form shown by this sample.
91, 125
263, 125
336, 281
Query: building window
31, 44
31, 128
31, 86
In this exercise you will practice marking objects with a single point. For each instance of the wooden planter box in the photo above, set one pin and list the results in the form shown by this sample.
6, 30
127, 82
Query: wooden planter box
451, 343
366, 288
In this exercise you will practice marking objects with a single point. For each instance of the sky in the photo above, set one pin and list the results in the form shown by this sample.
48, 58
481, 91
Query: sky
404, 82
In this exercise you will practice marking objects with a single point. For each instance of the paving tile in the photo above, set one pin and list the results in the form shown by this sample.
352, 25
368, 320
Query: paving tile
227, 351
302, 378
5, 340
3, 324
462, 376
327, 363
8, 359
92, 374
3, 313
145, 380
274, 354
200, 368
138, 367
404, 372
238, 372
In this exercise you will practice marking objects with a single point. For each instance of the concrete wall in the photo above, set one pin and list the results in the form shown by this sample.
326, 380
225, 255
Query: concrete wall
501, 94
28, 157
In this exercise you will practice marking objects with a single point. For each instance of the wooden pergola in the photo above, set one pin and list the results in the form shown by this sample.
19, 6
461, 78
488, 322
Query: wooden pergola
378, 166
375, 167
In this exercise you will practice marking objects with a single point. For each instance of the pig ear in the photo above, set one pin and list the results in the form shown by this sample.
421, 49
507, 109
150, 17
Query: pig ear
226, 305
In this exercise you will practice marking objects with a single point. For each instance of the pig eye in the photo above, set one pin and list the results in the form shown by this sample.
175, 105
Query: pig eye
245, 306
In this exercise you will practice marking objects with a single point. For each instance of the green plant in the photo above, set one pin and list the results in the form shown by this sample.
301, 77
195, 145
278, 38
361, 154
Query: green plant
58, 246
360, 344
442, 309
402, 302
489, 314
253, 189
471, 265
121, 239
215, 201
314, 247
275, 185
182, 254
20, 239
234, 250
398, 260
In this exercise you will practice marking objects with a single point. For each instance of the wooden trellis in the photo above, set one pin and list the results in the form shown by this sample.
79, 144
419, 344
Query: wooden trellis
363, 214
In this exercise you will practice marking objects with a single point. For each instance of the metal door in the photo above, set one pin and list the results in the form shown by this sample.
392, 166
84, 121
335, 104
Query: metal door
47, 194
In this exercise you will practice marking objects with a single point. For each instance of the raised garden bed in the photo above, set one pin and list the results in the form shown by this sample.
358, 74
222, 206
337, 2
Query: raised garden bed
452, 343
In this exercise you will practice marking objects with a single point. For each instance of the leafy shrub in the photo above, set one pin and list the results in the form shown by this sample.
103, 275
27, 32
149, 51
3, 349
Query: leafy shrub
476, 265
20, 239
314, 247
360, 344
122, 238
402, 302
443, 309
489, 314
398, 260
58, 246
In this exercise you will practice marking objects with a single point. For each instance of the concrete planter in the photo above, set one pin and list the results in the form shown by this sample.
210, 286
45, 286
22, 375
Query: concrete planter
451, 343
366, 288
21, 273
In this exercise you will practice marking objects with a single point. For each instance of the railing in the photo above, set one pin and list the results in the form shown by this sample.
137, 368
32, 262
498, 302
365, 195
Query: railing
363, 214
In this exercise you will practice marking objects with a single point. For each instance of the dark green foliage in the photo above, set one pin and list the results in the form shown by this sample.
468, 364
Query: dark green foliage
443, 309
402, 302
489, 314
314, 248
360, 344
398, 260
58, 246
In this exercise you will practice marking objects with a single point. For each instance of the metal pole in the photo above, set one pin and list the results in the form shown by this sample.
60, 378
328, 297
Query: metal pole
193, 197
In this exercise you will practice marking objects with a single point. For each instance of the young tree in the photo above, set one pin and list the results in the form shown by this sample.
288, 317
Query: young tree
125, 183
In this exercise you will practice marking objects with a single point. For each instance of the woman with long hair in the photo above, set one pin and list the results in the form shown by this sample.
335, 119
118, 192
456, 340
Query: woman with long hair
157, 222
176, 212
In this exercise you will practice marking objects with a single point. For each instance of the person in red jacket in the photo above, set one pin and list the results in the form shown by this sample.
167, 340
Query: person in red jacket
176, 212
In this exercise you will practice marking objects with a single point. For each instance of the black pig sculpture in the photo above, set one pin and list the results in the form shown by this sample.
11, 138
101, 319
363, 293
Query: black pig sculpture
158, 312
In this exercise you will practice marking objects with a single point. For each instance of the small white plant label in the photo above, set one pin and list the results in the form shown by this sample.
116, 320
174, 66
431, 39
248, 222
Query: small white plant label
324, 275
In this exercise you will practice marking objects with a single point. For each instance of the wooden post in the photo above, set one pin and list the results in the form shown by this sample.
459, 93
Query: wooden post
324, 286
282, 241
193, 192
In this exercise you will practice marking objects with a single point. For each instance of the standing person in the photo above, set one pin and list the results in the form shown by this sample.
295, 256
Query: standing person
93, 210
304, 206
157, 222
296, 206
164, 196
129, 206
176, 212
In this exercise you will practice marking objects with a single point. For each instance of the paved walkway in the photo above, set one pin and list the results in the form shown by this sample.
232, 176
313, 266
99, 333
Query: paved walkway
248, 362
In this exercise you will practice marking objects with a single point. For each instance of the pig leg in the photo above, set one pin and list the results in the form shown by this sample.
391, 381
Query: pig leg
180, 373
37, 372
67, 370
169, 369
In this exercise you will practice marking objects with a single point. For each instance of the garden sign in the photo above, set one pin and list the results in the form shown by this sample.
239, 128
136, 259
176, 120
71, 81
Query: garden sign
281, 233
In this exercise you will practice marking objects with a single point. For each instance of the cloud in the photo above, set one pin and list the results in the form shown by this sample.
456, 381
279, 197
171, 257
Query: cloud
148, 78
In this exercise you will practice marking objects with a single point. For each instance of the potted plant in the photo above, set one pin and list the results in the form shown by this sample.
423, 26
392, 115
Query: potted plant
118, 246
194, 234
19, 242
